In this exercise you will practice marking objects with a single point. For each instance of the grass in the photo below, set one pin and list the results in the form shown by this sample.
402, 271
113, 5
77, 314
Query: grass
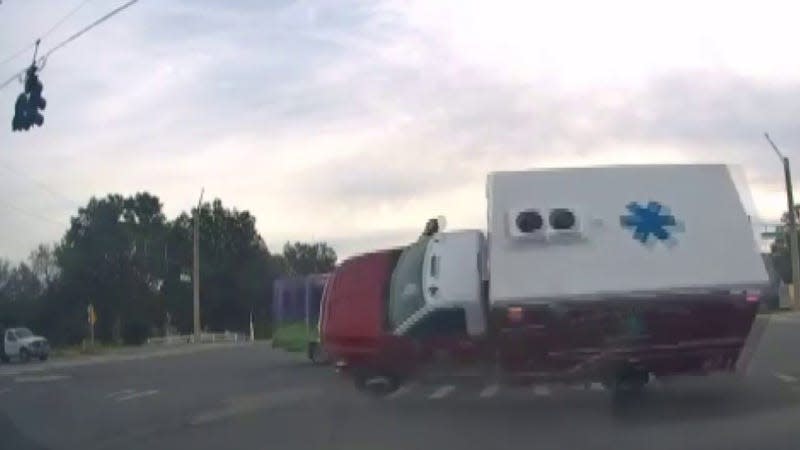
79, 350
293, 337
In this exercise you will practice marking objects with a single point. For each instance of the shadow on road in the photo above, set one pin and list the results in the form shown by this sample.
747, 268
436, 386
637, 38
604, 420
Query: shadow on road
12, 438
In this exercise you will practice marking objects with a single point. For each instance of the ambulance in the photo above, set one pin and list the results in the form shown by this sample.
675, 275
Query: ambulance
615, 275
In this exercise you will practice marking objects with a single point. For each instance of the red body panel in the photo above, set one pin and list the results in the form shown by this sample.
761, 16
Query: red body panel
666, 335
353, 312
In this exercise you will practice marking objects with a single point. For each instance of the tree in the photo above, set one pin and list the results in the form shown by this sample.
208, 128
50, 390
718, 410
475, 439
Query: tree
43, 263
304, 259
20, 291
108, 258
236, 272
779, 250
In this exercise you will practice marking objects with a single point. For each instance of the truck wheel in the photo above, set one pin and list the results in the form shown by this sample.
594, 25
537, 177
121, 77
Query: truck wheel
315, 353
43, 357
24, 355
629, 384
5, 359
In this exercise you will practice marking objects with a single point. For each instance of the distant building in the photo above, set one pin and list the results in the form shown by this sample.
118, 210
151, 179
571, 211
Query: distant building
297, 299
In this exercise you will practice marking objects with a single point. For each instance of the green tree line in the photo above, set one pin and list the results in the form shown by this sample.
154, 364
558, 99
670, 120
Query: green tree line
123, 256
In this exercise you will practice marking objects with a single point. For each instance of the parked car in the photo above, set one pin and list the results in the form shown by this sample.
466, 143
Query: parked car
22, 344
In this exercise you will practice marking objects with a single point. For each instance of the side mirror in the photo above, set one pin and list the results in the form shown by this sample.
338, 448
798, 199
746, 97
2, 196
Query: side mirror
441, 221
434, 226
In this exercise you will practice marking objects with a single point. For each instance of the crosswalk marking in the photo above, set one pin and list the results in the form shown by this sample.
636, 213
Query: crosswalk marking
137, 395
39, 378
785, 378
122, 392
489, 391
442, 392
596, 387
403, 390
541, 390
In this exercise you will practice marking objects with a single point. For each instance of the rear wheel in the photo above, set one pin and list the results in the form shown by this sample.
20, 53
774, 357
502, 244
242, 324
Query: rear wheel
628, 384
5, 358
24, 355
43, 357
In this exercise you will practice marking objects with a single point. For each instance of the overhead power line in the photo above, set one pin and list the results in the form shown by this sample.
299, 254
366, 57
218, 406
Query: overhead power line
41, 185
14, 55
32, 215
45, 34
41, 61
97, 22
64, 19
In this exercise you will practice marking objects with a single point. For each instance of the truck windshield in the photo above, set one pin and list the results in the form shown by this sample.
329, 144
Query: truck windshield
405, 291
23, 332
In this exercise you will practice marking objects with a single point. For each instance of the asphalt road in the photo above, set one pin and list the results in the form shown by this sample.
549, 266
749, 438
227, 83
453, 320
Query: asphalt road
249, 396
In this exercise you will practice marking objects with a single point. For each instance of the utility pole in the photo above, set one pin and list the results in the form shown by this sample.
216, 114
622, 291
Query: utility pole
196, 273
794, 255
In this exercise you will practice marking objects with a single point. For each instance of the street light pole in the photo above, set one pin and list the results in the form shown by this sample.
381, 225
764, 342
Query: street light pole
793, 248
196, 272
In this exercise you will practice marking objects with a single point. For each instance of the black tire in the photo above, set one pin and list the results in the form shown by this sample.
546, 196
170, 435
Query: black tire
629, 385
43, 357
24, 355
5, 359
315, 353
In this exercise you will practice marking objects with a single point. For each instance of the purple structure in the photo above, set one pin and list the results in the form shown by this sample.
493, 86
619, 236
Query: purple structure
297, 299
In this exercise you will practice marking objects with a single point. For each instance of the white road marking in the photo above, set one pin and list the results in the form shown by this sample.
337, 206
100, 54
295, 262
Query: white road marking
403, 390
22, 370
656, 383
256, 402
122, 392
56, 364
541, 390
597, 387
785, 378
40, 378
442, 392
489, 391
147, 393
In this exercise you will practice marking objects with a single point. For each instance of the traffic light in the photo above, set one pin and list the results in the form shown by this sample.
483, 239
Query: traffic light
26, 109
20, 120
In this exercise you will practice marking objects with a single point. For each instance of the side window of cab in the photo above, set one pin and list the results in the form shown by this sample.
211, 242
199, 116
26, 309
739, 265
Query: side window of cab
441, 322
10, 336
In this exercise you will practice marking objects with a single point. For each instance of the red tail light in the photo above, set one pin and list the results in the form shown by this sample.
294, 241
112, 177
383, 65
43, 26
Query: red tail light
515, 314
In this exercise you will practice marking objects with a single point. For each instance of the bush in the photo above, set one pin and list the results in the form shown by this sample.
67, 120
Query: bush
262, 329
292, 337
135, 332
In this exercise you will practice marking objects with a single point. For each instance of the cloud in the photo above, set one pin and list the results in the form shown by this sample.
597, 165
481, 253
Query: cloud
356, 121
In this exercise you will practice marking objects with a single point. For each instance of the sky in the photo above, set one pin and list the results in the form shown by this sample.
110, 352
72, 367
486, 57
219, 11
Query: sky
353, 122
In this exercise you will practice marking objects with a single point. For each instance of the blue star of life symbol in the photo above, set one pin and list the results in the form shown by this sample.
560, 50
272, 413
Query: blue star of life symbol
653, 219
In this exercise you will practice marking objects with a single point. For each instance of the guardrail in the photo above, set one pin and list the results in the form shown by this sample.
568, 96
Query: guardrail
204, 338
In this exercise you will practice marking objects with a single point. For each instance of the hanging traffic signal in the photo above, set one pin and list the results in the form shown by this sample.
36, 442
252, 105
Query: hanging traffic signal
26, 109
33, 87
20, 121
